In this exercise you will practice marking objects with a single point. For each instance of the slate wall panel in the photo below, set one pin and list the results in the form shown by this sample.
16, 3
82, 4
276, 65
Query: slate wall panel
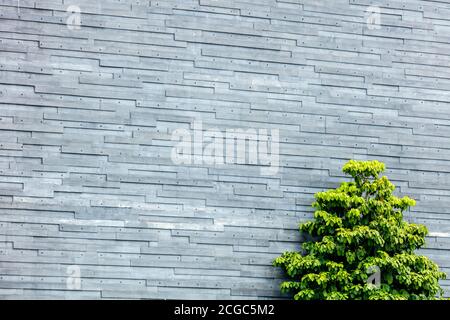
88, 188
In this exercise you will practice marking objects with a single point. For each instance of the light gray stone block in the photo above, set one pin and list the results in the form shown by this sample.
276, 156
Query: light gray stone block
87, 116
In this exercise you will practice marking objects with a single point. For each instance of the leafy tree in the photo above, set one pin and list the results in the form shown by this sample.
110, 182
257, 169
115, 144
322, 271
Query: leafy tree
357, 229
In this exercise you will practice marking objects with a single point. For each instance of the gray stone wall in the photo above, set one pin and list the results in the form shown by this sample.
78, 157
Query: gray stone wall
92, 203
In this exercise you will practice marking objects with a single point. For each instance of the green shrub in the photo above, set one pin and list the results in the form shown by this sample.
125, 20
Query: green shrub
358, 229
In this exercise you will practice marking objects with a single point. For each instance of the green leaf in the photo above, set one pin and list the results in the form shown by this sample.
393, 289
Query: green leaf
356, 226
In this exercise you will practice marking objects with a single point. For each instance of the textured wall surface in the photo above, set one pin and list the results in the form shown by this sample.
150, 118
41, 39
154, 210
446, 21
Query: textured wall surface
87, 183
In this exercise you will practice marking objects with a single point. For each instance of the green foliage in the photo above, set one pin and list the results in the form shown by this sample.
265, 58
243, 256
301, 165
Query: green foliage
356, 227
